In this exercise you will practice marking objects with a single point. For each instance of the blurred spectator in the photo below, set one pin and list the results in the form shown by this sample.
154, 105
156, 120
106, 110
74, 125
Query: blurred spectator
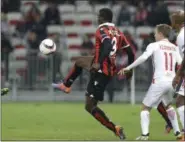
87, 45
6, 48
158, 14
147, 41
149, 62
111, 90
10, 6
4, 25
124, 16
60, 1
51, 15
33, 40
56, 59
32, 58
141, 14
33, 21
121, 62
98, 1
131, 41
87, 49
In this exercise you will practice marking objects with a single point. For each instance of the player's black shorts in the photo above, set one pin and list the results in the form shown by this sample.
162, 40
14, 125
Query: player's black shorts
97, 84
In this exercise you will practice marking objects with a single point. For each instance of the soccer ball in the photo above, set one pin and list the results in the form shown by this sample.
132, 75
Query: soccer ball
47, 46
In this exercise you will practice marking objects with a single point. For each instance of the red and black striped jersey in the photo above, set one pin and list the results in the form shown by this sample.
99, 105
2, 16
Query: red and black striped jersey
118, 40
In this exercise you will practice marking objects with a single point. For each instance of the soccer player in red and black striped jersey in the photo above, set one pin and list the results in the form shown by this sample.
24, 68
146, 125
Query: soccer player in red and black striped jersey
101, 66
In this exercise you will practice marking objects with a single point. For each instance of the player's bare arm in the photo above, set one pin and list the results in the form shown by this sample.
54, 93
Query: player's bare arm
179, 75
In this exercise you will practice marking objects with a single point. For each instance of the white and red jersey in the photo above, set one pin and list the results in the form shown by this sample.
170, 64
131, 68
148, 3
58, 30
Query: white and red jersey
180, 41
165, 55
180, 44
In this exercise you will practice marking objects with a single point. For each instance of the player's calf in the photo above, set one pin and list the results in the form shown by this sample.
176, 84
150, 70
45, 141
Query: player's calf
99, 115
145, 120
162, 110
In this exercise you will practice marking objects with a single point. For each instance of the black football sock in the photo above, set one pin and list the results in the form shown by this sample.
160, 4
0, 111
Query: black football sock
161, 109
73, 74
99, 115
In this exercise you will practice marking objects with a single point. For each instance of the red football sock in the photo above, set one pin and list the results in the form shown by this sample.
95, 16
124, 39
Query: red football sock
161, 109
73, 74
99, 115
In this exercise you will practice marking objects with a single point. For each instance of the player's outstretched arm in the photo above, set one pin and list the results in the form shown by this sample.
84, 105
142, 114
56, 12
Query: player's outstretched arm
149, 51
131, 55
137, 62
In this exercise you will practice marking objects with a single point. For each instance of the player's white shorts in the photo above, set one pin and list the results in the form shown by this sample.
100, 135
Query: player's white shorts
180, 91
158, 92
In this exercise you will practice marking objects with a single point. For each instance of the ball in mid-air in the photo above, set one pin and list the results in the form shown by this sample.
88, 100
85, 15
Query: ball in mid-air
47, 46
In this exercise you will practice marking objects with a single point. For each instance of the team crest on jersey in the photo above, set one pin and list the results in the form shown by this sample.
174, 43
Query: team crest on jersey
113, 32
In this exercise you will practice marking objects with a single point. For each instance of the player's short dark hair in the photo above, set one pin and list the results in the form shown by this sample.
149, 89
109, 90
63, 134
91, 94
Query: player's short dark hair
164, 29
106, 14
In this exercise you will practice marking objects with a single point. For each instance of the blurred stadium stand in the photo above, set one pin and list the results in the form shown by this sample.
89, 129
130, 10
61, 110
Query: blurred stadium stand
29, 74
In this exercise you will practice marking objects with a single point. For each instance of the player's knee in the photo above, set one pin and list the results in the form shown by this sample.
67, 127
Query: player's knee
79, 62
88, 107
168, 106
144, 107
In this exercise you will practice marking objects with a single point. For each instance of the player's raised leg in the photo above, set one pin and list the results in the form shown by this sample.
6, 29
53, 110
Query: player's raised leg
81, 63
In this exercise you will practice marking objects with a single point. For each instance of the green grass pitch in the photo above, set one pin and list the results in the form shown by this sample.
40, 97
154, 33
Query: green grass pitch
69, 121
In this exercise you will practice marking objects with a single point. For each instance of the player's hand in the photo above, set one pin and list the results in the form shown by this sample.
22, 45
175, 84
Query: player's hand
123, 71
95, 67
175, 81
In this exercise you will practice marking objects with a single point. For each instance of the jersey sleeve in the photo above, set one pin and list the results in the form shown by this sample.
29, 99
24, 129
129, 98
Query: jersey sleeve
100, 36
149, 51
125, 42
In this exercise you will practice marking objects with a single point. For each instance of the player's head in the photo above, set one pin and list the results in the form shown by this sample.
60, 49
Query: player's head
162, 31
177, 20
104, 15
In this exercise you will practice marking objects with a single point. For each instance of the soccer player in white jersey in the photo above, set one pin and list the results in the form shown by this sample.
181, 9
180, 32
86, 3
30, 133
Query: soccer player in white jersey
165, 56
177, 20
